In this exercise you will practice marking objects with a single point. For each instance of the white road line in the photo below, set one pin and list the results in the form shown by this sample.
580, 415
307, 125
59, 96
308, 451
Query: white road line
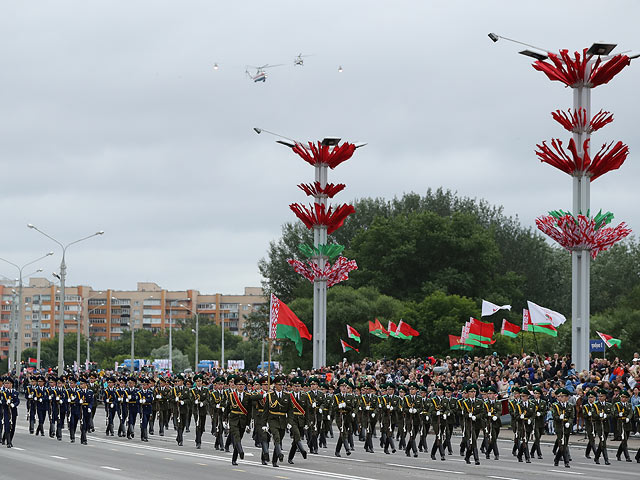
568, 473
501, 478
339, 458
425, 468
59, 458
110, 468
17, 448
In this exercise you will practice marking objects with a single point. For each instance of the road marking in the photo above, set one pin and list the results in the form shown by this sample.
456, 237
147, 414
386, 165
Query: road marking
285, 478
59, 458
110, 468
167, 458
238, 470
425, 468
139, 453
340, 458
501, 478
203, 464
115, 449
17, 448
568, 473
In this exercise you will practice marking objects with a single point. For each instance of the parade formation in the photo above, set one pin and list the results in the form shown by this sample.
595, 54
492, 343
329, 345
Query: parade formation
286, 416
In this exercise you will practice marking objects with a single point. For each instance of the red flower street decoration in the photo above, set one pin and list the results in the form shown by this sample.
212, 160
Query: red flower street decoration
576, 121
314, 189
316, 214
610, 157
573, 71
582, 232
331, 156
332, 273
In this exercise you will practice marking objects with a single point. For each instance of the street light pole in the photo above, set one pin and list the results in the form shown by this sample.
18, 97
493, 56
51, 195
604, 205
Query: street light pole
222, 348
197, 332
63, 276
19, 312
171, 304
88, 328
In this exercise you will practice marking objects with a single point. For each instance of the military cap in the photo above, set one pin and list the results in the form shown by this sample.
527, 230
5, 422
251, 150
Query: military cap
470, 387
524, 391
403, 388
562, 391
492, 389
313, 380
262, 380
591, 393
448, 388
624, 393
603, 391
439, 386
218, 379
241, 379
198, 377
412, 385
387, 385
179, 377
343, 381
297, 381
189, 380
538, 390
278, 379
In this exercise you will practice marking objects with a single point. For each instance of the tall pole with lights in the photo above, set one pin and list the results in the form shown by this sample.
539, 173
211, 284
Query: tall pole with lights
582, 72
63, 276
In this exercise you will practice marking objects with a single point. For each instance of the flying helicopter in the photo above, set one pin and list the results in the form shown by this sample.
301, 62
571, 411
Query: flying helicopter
260, 75
299, 60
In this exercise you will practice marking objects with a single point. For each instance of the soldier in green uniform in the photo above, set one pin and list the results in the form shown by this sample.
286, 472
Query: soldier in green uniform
403, 390
438, 410
259, 399
216, 410
200, 399
412, 406
451, 416
388, 405
324, 414
636, 414
161, 403
623, 415
513, 402
538, 423
298, 417
601, 424
493, 421
341, 408
472, 412
275, 415
369, 402
526, 413
239, 417
464, 395
180, 400
425, 419
563, 415
315, 417
96, 387
589, 413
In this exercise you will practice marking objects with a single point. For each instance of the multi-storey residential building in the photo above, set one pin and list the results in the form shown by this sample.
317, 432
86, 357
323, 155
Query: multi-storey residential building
105, 315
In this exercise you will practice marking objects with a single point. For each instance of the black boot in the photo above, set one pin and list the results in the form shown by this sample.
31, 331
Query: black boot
276, 455
605, 455
238, 448
292, 453
234, 457
303, 452
338, 446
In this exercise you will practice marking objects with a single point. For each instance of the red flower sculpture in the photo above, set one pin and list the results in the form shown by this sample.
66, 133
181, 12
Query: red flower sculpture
332, 273
331, 156
573, 71
316, 214
575, 121
580, 232
314, 189
610, 157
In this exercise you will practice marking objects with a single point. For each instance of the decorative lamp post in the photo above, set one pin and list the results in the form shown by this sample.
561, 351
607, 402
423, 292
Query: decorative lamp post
585, 237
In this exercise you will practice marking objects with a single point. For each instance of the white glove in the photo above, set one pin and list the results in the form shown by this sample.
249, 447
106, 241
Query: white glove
368, 407
494, 418
470, 415
202, 404
225, 425
30, 396
89, 410
522, 416
57, 398
589, 414
313, 405
265, 428
444, 416
538, 414
360, 408
40, 400
305, 427
222, 409
620, 414
248, 429
373, 415
111, 405
528, 421
567, 425
353, 415
119, 399
390, 408
473, 417
604, 415
320, 410
328, 417
217, 405
143, 401
438, 413
128, 397
158, 396
177, 399
288, 426
181, 402
73, 397
50, 397
626, 420
562, 416
342, 405
12, 405
601, 414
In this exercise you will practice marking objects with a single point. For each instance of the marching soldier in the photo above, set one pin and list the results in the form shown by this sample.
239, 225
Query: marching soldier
589, 413
388, 405
239, 417
132, 399
85, 401
30, 393
9, 401
41, 401
275, 418
438, 409
96, 388
298, 418
160, 407
62, 398
216, 410
188, 384
110, 405
541, 409
342, 408
513, 403
425, 419
412, 406
315, 414
74, 408
200, 401
623, 415
525, 413
563, 415
399, 419
493, 422
52, 393
601, 424
259, 400
145, 400
472, 412
370, 405
325, 415
464, 395
181, 397
451, 417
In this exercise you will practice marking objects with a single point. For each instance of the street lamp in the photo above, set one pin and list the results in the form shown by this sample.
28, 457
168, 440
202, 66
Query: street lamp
196, 332
19, 312
63, 276
88, 329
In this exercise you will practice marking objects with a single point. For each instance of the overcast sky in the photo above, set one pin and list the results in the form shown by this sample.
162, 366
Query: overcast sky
112, 118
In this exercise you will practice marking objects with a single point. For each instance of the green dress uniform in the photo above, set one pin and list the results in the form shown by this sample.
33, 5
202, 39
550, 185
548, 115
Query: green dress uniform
388, 406
623, 415
275, 415
180, 400
239, 418
493, 424
589, 413
342, 409
438, 410
325, 418
563, 415
451, 417
412, 406
473, 410
425, 420
259, 399
513, 401
368, 407
542, 408
601, 425
314, 419
200, 400
161, 407
216, 410
298, 421
525, 412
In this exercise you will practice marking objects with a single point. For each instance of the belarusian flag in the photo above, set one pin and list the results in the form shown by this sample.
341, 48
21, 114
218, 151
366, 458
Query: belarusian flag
392, 329
32, 361
284, 324
456, 343
527, 326
544, 316
346, 347
481, 331
353, 333
609, 340
509, 329
405, 331
489, 308
376, 328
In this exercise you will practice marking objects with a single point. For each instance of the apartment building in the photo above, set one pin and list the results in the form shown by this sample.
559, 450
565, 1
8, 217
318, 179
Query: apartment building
105, 315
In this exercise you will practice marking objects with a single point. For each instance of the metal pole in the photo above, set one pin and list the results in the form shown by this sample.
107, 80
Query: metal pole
133, 365
262, 353
78, 341
12, 328
320, 286
170, 339
19, 322
222, 347
197, 325
63, 277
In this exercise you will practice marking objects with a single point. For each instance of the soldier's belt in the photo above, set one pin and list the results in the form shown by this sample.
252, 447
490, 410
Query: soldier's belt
238, 412
298, 413
277, 413
260, 410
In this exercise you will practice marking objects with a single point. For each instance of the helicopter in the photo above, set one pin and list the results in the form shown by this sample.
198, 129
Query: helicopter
260, 75
299, 60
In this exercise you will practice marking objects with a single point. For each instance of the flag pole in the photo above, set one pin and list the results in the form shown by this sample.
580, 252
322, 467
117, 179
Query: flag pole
537, 347
604, 351
269, 367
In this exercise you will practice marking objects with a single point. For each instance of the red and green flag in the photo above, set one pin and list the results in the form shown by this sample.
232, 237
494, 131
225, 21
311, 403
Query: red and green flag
509, 329
405, 331
32, 361
392, 329
353, 334
456, 343
346, 347
376, 328
480, 331
609, 340
283, 323
528, 326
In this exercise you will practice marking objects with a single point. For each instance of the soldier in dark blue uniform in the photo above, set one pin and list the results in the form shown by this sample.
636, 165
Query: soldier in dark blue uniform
145, 397
85, 399
61, 399
52, 393
9, 401
132, 406
29, 394
123, 409
74, 408
111, 404
41, 401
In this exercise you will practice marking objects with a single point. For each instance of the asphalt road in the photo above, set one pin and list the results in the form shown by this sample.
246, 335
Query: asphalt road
113, 458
